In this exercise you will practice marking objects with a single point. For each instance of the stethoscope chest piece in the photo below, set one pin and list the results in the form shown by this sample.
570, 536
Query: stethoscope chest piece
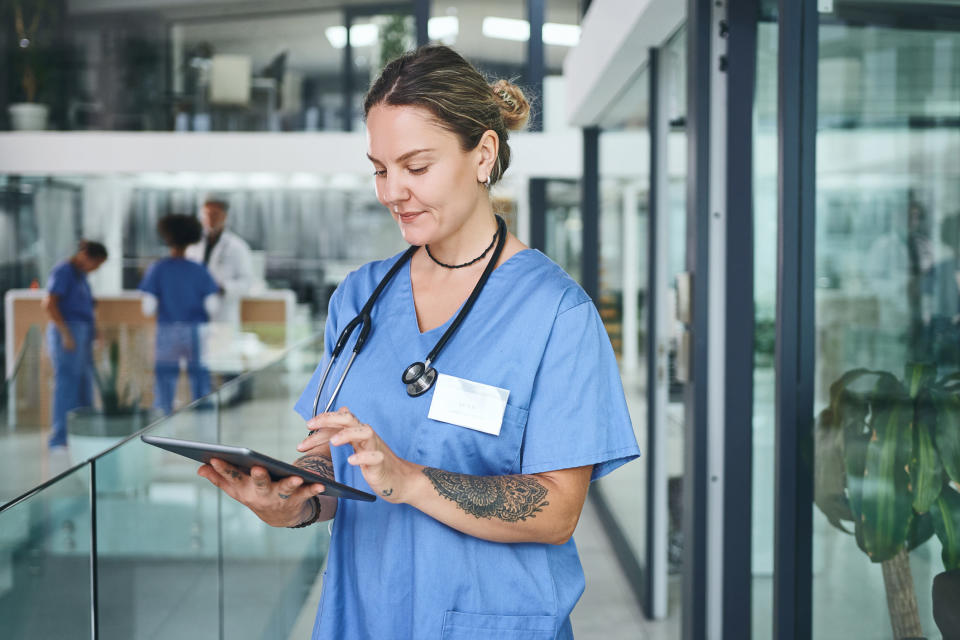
418, 377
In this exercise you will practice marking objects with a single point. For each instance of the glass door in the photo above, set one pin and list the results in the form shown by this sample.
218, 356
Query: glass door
887, 256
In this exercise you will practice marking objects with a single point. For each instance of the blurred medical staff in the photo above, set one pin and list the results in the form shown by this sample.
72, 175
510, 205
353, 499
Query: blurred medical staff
183, 295
69, 305
227, 256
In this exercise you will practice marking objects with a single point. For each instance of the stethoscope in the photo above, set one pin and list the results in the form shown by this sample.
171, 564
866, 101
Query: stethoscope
419, 376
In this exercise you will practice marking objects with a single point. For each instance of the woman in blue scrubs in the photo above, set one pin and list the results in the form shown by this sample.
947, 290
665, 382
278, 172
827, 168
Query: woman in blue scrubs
183, 294
69, 305
480, 480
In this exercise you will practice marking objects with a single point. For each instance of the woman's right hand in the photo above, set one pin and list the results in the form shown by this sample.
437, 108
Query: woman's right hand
68, 342
284, 503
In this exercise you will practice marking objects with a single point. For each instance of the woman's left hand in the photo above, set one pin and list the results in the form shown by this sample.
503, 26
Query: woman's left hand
386, 473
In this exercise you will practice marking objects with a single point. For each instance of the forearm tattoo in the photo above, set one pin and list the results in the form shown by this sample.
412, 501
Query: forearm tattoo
317, 464
507, 498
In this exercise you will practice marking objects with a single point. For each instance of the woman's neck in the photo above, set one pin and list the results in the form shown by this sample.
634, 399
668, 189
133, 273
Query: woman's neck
467, 242
178, 252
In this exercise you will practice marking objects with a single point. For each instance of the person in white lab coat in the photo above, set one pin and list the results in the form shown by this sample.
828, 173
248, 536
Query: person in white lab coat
227, 257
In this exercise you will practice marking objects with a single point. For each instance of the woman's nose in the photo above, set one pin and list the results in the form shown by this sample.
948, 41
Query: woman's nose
394, 190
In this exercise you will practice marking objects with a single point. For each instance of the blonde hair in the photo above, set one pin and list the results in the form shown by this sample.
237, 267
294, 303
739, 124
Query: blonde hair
438, 79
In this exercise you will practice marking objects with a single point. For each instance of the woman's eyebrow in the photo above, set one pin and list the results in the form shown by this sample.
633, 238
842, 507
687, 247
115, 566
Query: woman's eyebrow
406, 156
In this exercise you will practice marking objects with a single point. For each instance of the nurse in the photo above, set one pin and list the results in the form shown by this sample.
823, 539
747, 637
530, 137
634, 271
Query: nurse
70, 333
482, 477
183, 295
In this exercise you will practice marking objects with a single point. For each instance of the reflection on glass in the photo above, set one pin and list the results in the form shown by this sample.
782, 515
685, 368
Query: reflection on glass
157, 537
255, 554
674, 83
765, 302
45, 554
888, 202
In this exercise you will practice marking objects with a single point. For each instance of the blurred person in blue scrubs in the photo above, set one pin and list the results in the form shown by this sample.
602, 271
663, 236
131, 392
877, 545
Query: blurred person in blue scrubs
69, 305
471, 534
183, 294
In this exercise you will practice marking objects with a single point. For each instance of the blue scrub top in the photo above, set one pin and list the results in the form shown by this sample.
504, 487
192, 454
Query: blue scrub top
180, 286
74, 299
394, 572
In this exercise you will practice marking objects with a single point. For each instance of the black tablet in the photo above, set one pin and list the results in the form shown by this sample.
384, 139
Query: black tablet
244, 458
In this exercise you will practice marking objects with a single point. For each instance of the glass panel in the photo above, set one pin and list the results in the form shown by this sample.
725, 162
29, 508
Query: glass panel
765, 303
564, 226
674, 83
173, 66
888, 199
45, 561
624, 225
158, 541
254, 553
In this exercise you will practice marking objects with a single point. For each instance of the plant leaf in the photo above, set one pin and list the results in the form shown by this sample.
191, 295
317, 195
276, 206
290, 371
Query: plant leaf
947, 432
946, 522
886, 504
921, 530
829, 478
926, 470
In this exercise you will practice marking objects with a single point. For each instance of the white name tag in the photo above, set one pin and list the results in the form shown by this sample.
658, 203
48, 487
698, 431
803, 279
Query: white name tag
468, 404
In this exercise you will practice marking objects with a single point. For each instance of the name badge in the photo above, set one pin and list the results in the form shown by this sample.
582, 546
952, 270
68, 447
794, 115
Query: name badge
468, 404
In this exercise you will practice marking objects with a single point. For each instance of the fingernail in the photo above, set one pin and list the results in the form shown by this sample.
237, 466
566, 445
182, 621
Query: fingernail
352, 459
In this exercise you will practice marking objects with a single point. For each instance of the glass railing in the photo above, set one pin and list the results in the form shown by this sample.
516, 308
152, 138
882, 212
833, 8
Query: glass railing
129, 389
132, 543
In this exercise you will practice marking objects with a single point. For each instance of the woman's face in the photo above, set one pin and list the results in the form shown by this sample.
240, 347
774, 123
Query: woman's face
423, 177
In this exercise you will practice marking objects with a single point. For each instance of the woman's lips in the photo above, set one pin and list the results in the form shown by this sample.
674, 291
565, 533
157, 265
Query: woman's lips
408, 216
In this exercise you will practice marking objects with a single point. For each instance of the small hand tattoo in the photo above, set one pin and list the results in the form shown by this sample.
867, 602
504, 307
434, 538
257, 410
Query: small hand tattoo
507, 498
283, 496
234, 474
386, 492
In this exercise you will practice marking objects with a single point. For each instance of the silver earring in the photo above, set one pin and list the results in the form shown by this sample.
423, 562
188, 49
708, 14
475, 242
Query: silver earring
396, 209
487, 183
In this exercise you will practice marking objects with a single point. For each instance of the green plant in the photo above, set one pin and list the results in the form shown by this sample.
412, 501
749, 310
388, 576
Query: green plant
114, 401
888, 461
394, 38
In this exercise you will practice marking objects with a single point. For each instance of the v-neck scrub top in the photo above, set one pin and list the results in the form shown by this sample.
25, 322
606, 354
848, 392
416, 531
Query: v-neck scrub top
394, 572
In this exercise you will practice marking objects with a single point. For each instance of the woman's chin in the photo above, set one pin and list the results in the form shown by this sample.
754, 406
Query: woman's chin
415, 232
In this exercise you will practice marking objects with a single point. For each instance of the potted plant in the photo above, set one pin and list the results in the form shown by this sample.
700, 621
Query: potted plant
888, 463
92, 430
30, 58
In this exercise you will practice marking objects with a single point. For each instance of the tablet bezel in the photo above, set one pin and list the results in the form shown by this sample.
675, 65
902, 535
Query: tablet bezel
245, 458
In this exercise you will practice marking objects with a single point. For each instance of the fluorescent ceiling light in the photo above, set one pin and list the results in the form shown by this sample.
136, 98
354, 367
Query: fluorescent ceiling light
443, 28
506, 29
564, 35
361, 35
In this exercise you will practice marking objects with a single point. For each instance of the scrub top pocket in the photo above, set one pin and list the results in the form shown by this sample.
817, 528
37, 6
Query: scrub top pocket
454, 448
473, 626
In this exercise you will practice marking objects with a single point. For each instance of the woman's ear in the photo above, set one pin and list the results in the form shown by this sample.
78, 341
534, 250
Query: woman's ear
489, 147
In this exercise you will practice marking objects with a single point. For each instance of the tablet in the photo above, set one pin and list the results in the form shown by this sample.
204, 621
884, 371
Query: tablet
244, 458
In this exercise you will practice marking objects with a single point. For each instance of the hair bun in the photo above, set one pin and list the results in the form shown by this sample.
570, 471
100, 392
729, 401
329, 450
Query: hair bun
514, 106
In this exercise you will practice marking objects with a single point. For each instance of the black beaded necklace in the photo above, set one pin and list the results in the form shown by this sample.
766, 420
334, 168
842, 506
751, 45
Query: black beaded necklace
466, 264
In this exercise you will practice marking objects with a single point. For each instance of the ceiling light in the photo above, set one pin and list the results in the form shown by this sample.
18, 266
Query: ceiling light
443, 28
564, 35
506, 29
361, 35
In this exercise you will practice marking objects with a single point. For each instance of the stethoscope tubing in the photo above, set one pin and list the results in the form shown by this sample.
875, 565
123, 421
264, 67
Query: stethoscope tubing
363, 320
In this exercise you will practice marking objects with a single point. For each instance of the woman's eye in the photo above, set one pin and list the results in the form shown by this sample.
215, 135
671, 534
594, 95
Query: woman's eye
380, 172
418, 170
